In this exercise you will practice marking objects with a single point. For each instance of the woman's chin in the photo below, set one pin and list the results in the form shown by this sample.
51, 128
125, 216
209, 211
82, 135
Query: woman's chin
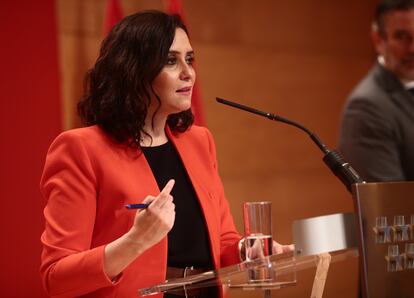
184, 106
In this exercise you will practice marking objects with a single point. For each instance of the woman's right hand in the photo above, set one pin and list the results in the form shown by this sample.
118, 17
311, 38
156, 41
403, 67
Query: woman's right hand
150, 226
153, 223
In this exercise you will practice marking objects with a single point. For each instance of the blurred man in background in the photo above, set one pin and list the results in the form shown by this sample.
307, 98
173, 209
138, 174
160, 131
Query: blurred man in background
377, 131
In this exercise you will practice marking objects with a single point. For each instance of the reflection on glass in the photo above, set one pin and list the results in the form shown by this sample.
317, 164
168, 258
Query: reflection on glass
400, 229
409, 256
394, 259
382, 230
259, 246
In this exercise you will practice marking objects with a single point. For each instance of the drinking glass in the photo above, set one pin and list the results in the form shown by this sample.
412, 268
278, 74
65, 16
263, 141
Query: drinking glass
258, 237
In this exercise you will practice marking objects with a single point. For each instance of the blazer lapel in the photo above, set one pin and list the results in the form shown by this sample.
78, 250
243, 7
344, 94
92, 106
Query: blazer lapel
393, 86
191, 161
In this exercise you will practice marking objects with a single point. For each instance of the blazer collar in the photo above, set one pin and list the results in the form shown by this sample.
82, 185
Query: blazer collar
394, 87
387, 79
184, 148
189, 152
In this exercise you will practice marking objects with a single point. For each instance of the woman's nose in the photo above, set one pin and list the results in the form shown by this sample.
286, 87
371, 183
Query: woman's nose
187, 72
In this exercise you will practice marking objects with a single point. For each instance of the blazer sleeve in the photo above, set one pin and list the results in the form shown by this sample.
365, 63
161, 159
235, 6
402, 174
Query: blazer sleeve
369, 141
69, 266
229, 237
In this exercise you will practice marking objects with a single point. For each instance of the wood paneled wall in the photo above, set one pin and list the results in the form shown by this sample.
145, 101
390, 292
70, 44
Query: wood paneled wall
298, 59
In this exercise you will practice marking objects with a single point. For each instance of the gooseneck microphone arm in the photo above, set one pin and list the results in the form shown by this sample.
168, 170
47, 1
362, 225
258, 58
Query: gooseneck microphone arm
332, 159
276, 118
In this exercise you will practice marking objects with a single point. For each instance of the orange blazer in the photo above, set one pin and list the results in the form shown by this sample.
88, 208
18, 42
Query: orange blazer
87, 180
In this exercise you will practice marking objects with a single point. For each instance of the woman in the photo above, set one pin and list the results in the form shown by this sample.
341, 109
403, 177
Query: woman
139, 139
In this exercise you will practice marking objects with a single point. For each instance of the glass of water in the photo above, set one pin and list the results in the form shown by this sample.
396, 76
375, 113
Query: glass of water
258, 237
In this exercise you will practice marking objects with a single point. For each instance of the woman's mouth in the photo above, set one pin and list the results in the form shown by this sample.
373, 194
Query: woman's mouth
184, 90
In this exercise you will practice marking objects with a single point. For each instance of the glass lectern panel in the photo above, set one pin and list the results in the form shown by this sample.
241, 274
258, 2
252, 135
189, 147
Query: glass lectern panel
386, 229
269, 273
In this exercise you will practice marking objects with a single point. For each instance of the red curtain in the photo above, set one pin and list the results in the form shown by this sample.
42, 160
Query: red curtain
30, 119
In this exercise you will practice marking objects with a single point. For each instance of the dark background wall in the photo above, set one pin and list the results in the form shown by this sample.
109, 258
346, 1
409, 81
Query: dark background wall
298, 59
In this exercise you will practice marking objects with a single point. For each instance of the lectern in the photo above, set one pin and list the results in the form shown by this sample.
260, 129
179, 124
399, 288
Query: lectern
385, 213
237, 276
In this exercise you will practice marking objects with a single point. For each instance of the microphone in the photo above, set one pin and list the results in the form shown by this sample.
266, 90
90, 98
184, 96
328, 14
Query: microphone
332, 159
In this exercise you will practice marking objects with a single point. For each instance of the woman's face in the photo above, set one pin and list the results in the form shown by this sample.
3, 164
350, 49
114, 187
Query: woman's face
174, 84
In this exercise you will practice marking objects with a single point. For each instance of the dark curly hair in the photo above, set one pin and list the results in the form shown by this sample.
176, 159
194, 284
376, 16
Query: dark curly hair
118, 88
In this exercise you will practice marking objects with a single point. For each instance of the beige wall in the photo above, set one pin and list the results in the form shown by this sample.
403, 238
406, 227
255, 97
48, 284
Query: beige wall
298, 59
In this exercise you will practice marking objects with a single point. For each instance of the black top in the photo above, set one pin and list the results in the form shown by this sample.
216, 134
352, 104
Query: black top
188, 242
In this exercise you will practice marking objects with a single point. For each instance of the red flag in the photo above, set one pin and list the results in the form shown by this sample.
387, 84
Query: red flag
113, 15
175, 7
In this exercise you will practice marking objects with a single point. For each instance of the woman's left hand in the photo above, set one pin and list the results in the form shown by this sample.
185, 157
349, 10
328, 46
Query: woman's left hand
278, 248
257, 250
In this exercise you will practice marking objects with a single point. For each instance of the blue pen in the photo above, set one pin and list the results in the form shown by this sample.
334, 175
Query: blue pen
165, 191
136, 206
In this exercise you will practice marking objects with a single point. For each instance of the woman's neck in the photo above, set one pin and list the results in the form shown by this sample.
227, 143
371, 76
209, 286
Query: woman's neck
154, 127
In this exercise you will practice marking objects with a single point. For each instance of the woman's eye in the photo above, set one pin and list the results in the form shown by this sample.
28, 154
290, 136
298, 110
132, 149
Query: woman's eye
171, 61
189, 60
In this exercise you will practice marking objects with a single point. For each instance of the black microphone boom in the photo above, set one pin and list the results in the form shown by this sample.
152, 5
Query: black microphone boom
332, 159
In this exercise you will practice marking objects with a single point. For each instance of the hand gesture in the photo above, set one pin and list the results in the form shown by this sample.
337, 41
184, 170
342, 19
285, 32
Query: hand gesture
153, 223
